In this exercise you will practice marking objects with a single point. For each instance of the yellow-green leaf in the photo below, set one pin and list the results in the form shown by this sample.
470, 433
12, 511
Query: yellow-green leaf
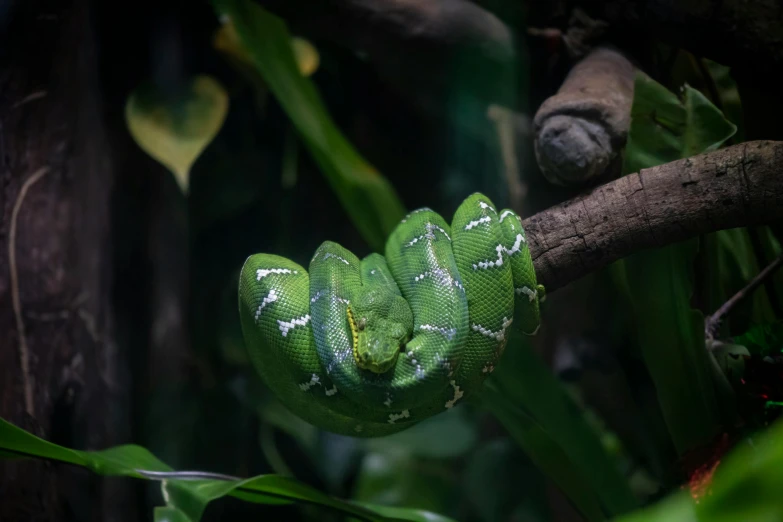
307, 57
227, 41
175, 127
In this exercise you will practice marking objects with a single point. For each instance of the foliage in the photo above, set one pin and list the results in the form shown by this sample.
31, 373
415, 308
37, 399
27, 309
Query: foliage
187, 494
367, 196
763, 339
176, 127
664, 128
659, 283
745, 486
530, 434
536, 409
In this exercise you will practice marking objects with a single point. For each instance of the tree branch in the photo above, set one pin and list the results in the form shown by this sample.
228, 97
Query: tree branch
712, 322
733, 187
581, 130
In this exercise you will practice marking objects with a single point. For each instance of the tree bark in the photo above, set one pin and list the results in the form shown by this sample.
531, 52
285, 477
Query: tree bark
72, 392
581, 131
733, 187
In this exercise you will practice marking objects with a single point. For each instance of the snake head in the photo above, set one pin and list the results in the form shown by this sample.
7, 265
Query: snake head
381, 323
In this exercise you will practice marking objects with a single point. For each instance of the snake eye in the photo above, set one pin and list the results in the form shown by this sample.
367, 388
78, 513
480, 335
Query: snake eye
361, 324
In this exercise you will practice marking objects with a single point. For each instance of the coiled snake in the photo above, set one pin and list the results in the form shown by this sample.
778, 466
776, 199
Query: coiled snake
368, 348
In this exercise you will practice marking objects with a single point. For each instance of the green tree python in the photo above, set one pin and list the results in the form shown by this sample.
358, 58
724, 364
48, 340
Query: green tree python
370, 347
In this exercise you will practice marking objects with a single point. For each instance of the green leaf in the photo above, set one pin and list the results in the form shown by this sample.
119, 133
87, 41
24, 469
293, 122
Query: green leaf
170, 514
499, 480
447, 435
175, 127
545, 452
395, 514
706, 128
670, 335
763, 339
529, 384
730, 101
664, 128
659, 282
737, 266
745, 486
397, 478
366, 195
186, 493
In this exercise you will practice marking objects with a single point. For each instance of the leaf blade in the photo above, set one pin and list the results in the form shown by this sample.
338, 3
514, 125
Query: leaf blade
367, 196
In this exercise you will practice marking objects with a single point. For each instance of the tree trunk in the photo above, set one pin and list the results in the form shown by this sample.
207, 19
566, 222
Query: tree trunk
62, 375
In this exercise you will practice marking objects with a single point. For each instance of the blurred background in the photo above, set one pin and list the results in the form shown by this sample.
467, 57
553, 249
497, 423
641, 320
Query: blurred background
128, 265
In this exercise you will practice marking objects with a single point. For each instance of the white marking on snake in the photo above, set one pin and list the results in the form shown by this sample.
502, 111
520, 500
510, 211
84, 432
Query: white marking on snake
505, 214
477, 222
448, 333
500, 249
263, 272
317, 296
388, 401
372, 272
428, 227
423, 209
270, 298
517, 245
486, 206
500, 335
531, 294
329, 254
418, 372
394, 417
442, 276
337, 298
457, 395
331, 391
490, 263
488, 369
312, 382
285, 326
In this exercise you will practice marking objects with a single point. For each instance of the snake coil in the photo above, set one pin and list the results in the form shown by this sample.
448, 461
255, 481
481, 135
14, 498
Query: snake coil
368, 348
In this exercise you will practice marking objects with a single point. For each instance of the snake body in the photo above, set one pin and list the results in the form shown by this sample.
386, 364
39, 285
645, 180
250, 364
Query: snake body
371, 347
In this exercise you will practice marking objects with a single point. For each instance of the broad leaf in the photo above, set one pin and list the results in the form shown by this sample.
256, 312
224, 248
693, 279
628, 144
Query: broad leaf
175, 127
665, 128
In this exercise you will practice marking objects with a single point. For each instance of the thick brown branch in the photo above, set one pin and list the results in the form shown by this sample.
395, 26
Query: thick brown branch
732, 187
581, 130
